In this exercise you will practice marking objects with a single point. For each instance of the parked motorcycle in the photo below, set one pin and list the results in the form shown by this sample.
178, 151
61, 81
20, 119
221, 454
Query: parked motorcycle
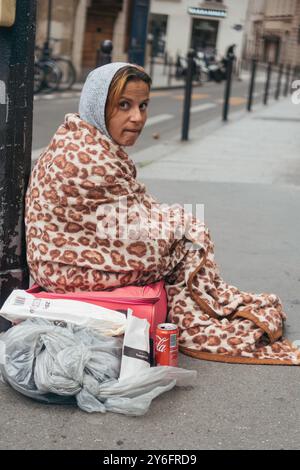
205, 68
182, 66
210, 69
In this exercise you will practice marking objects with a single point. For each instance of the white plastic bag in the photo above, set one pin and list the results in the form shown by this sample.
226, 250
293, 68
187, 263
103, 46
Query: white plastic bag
134, 396
39, 358
21, 305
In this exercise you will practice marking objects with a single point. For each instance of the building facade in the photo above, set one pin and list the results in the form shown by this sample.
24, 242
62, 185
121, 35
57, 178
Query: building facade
81, 26
177, 25
273, 31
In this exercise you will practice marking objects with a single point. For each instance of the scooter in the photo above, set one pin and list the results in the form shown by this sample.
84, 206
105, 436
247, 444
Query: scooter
204, 70
182, 66
212, 68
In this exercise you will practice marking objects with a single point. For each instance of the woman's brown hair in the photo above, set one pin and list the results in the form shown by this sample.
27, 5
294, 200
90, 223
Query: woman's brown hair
118, 84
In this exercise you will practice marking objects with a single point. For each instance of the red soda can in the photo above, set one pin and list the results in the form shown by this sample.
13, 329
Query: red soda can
166, 345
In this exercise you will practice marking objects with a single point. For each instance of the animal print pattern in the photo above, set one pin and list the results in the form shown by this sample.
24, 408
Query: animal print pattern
81, 171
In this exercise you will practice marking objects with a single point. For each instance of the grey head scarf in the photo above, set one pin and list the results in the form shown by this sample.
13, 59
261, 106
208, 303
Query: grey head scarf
94, 95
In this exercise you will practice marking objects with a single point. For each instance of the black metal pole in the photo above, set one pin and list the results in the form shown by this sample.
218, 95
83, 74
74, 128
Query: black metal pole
187, 96
227, 89
170, 65
252, 85
278, 87
46, 46
104, 53
16, 106
165, 63
296, 73
287, 80
151, 66
267, 86
49, 20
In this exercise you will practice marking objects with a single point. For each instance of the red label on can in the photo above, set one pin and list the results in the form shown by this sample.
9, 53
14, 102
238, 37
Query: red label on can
166, 345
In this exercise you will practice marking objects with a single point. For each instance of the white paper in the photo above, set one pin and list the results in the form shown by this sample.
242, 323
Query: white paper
136, 348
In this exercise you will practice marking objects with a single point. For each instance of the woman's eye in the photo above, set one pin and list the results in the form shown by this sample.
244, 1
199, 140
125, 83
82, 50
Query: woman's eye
144, 106
124, 105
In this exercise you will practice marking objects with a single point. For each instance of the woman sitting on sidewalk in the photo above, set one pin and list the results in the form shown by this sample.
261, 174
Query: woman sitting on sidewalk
90, 225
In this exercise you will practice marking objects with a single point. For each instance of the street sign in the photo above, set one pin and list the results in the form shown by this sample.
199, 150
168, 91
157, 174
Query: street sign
209, 12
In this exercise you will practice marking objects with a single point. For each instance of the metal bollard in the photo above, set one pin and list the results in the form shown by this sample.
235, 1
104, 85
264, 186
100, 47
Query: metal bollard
252, 85
278, 87
152, 66
104, 53
227, 88
170, 65
296, 73
268, 81
287, 81
187, 96
46, 51
165, 63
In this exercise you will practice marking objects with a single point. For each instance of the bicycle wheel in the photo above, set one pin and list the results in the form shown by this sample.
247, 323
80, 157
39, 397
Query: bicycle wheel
52, 75
38, 79
68, 72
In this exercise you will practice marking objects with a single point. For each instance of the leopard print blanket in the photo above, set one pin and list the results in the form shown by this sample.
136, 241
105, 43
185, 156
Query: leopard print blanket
76, 242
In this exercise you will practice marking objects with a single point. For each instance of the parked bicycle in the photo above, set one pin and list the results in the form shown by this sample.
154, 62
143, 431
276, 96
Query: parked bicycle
46, 75
51, 72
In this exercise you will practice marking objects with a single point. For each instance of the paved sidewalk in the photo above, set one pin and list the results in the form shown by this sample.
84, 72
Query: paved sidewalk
261, 147
160, 81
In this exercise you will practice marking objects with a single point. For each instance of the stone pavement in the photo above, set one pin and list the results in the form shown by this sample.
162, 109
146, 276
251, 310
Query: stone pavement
260, 147
247, 174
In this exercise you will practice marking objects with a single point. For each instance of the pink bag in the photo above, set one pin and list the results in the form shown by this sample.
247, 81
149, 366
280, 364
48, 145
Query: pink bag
148, 302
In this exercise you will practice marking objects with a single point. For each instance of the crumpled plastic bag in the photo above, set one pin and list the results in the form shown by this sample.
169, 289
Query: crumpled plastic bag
39, 358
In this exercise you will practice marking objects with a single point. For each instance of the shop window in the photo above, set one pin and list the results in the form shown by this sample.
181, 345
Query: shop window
204, 35
157, 33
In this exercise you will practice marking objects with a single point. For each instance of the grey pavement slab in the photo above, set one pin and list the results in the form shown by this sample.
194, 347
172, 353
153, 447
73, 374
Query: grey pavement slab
255, 227
255, 232
261, 147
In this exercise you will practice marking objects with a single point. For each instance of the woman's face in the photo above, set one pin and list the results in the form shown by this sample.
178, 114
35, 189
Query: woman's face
130, 113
